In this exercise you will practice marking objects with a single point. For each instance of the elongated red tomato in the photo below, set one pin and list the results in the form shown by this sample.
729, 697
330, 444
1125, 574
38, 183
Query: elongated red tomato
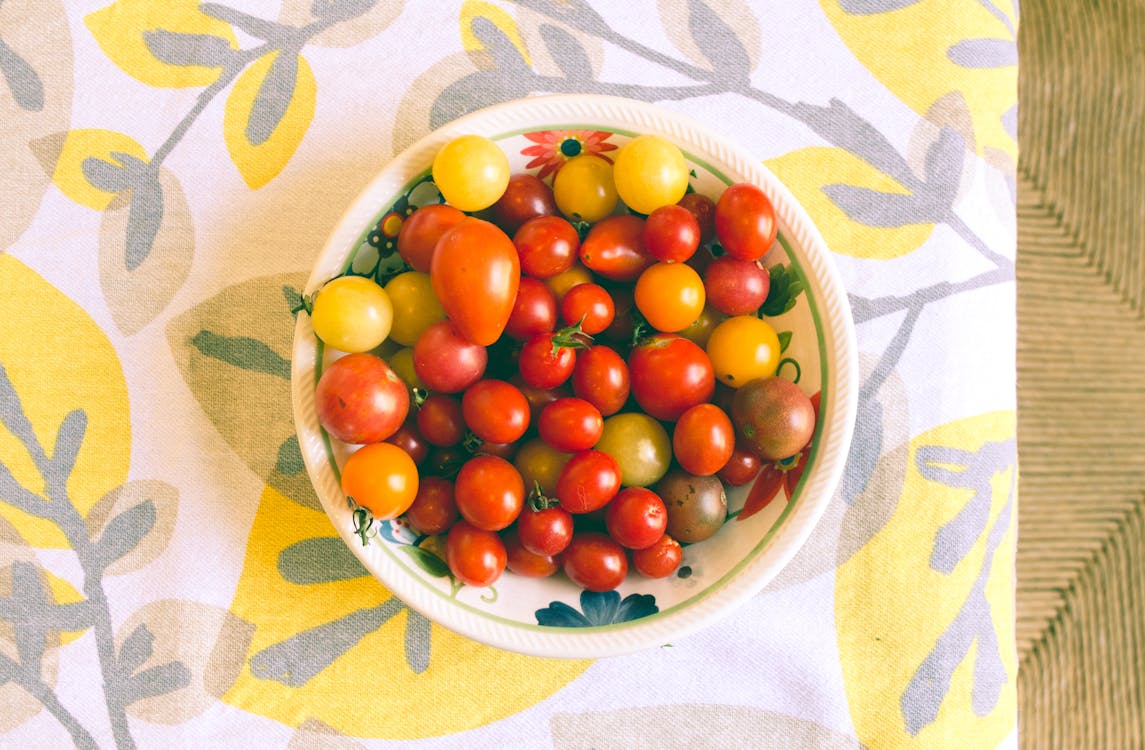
614, 248
745, 221
475, 273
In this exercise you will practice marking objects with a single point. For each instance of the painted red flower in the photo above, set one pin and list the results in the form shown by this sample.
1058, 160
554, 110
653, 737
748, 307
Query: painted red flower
784, 473
554, 147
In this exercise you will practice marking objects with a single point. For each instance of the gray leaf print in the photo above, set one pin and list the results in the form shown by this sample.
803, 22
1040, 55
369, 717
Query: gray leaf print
417, 642
177, 48
864, 454
319, 560
573, 13
509, 79
144, 218
124, 532
957, 536
337, 11
874, 207
253, 25
870, 7
160, 680
943, 169
984, 53
104, 175
136, 649
568, 53
989, 671
24, 82
31, 634
718, 42
69, 438
273, 97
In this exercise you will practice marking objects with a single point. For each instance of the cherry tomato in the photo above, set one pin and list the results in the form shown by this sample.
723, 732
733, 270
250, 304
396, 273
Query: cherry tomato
495, 411
703, 209
622, 326
703, 439
741, 468
669, 375
475, 556
701, 329
547, 246
774, 418
540, 465
745, 222
352, 313
570, 425
475, 274
420, 232
566, 280
650, 172
538, 398
525, 196
441, 421
659, 560
595, 562
401, 362
547, 359
535, 310
471, 172
600, 377
736, 287
415, 306
640, 446
588, 481
433, 510
381, 478
446, 361
445, 462
614, 248
525, 563
670, 296
410, 440
590, 305
584, 189
500, 450
360, 399
636, 518
671, 234
697, 506
489, 492
547, 531
742, 349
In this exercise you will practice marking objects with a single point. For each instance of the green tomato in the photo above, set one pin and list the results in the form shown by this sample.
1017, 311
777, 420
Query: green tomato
352, 313
540, 463
471, 172
584, 190
415, 306
650, 172
640, 445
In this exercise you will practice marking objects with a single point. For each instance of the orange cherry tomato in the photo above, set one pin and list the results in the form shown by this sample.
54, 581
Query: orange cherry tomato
382, 478
670, 296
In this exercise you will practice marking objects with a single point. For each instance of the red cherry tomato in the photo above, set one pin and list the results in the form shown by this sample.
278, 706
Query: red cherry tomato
734, 286
547, 359
495, 411
622, 326
671, 234
659, 560
441, 421
446, 361
360, 399
525, 563
433, 510
410, 440
538, 398
703, 209
703, 439
525, 197
741, 468
636, 517
475, 273
489, 492
601, 378
570, 425
534, 311
547, 246
420, 232
547, 531
500, 450
670, 374
595, 562
475, 556
745, 222
614, 248
590, 305
588, 481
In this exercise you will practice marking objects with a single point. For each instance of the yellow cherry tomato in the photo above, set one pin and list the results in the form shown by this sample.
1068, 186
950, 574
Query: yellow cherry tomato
471, 172
650, 172
584, 190
382, 478
401, 362
352, 313
415, 306
742, 349
670, 296
701, 330
566, 280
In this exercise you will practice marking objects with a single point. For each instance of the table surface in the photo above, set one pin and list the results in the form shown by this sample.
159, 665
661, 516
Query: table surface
165, 577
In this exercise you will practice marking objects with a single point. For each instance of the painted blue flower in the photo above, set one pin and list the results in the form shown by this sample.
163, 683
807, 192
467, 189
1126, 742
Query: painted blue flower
598, 609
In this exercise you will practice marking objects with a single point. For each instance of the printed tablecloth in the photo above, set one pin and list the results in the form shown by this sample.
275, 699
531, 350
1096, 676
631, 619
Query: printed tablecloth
169, 172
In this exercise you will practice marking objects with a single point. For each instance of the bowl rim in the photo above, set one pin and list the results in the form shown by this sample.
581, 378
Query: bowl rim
837, 410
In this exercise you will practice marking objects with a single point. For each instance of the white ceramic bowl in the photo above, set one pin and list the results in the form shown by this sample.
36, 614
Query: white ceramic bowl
717, 574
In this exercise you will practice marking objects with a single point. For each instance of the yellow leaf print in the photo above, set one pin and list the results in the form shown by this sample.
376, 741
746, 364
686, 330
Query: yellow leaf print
479, 9
267, 114
59, 362
330, 643
100, 155
952, 45
804, 171
170, 44
924, 610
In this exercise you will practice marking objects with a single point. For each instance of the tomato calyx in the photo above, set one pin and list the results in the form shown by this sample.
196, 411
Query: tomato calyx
418, 396
300, 302
363, 521
538, 500
581, 226
571, 337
